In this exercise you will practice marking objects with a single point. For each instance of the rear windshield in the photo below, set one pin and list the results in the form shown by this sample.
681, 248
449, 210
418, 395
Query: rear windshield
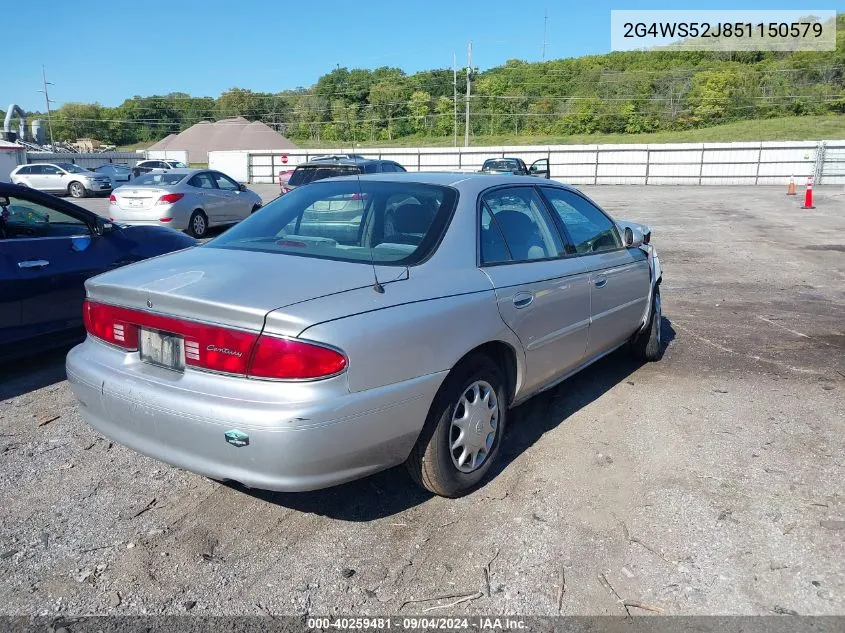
312, 173
163, 179
383, 222
501, 165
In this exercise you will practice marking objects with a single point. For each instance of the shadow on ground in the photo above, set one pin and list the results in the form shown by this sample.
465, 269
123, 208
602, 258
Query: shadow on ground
393, 491
21, 376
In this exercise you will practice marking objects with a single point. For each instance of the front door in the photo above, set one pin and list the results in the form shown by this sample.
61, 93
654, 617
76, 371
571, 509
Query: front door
51, 253
542, 294
619, 276
236, 207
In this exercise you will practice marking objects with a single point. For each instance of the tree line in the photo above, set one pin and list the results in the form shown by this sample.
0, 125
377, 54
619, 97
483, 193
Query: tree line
627, 92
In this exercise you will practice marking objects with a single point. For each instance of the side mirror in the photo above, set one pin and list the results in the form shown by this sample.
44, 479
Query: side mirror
242, 187
633, 236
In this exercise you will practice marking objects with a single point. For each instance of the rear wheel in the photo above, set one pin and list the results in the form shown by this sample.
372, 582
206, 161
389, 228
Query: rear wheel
646, 345
463, 431
76, 189
198, 224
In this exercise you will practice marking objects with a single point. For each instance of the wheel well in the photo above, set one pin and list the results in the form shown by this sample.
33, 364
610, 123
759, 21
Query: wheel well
504, 356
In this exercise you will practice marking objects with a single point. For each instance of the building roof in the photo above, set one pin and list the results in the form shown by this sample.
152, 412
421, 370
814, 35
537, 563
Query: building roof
234, 133
9, 146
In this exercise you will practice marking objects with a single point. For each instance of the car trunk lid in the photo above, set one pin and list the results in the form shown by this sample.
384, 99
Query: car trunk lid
131, 198
227, 287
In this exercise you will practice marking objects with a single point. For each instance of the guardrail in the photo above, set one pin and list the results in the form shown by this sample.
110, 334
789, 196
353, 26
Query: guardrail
757, 163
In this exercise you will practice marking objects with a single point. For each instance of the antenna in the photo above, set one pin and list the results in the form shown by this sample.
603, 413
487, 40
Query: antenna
376, 283
455, 93
47, 100
545, 30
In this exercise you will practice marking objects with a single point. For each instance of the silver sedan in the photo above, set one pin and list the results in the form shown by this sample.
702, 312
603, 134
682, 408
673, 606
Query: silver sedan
311, 345
189, 200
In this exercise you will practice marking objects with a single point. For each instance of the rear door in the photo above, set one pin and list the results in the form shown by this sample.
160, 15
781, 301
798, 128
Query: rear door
48, 253
213, 201
543, 294
619, 276
236, 207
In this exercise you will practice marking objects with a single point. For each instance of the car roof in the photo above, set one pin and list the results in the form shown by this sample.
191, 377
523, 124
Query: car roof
352, 162
456, 179
182, 170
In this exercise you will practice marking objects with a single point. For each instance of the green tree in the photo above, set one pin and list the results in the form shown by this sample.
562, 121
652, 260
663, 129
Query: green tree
420, 107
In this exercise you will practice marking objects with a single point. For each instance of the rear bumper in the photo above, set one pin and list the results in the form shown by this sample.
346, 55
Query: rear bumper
302, 436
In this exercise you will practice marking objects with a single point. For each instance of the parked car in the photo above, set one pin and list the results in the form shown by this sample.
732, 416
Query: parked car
48, 248
189, 200
295, 352
284, 177
331, 166
116, 173
147, 166
64, 178
517, 167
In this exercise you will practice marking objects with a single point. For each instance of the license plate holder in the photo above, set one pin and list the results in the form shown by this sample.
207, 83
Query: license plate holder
135, 204
162, 349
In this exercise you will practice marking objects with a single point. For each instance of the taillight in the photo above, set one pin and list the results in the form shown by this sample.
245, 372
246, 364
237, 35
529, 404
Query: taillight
109, 323
286, 189
216, 348
112, 199
291, 359
170, 198
165, 219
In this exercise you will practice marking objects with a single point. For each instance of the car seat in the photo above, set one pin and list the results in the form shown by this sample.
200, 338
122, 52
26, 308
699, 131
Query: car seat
522, 235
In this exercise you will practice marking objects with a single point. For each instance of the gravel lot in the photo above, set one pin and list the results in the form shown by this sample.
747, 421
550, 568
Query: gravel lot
708, 483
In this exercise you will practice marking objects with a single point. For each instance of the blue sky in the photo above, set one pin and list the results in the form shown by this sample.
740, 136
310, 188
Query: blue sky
107, 51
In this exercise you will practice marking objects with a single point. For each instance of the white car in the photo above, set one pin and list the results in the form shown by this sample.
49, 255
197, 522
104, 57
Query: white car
61, 178
148, 166
116, 173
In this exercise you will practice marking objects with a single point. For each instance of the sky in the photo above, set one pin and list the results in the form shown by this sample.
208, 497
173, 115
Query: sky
108, 51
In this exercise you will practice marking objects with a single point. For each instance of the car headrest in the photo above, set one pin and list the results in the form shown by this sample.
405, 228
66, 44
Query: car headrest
412, 218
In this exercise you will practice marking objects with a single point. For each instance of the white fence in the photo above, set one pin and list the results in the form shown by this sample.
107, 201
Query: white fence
757, 163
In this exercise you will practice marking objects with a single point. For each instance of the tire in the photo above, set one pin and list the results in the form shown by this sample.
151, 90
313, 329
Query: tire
198, 224
432, 463
77, 190
255, 208
646, 346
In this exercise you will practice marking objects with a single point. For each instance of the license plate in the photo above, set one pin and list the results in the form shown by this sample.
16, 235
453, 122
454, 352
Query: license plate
160, 348
136, 204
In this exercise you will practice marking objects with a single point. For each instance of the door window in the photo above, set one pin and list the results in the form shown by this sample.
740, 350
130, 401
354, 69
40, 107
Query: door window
520, 217
51, 170
590, 230
25, 219
203, 180
226, 183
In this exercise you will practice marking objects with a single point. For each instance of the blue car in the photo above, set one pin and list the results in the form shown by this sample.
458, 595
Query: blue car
48, 248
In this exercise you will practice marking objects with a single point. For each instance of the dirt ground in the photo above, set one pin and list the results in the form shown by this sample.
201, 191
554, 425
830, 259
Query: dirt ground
710, 482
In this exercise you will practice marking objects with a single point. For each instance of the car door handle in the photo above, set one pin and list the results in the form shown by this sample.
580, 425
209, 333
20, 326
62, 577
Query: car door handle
523, 299
34, 263
601, 281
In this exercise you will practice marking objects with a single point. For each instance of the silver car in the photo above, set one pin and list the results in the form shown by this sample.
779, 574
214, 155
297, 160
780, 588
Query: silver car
189, 200
61, 178
299, 350
117, 173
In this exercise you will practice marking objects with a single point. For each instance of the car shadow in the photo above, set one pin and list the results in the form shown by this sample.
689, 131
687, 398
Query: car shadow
392, 491
19, 377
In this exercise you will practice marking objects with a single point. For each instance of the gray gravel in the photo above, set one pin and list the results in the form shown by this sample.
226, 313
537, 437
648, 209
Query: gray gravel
708, 483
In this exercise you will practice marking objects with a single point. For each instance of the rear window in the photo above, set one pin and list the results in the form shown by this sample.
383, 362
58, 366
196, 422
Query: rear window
501, 165
163, 179
383, 222
312, 173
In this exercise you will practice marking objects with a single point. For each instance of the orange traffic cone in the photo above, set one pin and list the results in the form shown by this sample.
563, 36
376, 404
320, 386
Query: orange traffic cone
808, 194
791, 189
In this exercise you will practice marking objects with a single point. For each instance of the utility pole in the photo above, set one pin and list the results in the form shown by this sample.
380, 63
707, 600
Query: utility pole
469, 90
47, 101
455, 94
545, 30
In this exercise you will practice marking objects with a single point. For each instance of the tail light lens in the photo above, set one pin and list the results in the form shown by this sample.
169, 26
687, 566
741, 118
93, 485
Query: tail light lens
285, 189
170, 198
165, 219
291, 359
112, 199
216, 348
110, 324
